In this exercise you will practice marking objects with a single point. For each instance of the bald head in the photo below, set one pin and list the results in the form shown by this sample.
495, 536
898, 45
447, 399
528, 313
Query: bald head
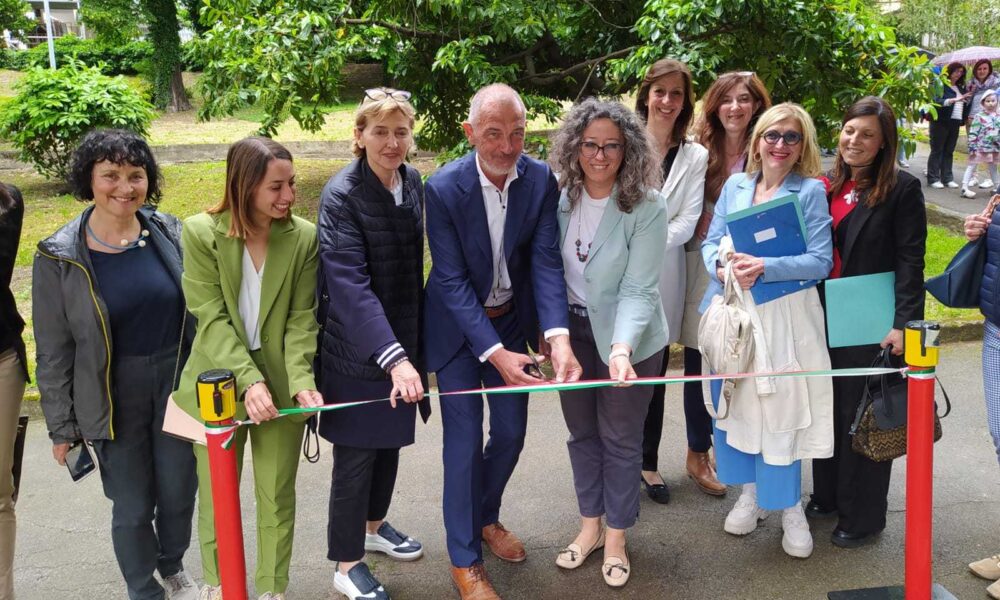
492, 97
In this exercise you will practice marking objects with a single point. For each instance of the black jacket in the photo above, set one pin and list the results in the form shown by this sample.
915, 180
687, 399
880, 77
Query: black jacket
890, 237
11, 323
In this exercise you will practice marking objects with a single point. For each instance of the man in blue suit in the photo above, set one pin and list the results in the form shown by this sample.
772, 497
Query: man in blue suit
497, 281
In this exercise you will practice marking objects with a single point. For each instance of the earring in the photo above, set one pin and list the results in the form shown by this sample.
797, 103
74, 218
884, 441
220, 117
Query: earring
756, 157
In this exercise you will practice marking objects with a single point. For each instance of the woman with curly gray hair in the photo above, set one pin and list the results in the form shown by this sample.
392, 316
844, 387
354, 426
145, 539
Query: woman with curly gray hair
613, 230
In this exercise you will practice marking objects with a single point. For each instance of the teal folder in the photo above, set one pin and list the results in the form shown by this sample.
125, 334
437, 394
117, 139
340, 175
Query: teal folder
860, 310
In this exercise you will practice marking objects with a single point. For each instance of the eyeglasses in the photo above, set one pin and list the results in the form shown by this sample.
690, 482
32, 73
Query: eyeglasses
791, 138
612, 150
376, 94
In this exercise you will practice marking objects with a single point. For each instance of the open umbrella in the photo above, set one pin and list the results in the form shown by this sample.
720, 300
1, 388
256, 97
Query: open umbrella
969, 55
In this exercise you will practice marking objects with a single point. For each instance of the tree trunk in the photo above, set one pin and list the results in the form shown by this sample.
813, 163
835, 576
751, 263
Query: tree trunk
178, 96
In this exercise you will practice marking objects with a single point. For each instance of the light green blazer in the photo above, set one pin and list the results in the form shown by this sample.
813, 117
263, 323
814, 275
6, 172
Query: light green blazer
213, 272
622, 276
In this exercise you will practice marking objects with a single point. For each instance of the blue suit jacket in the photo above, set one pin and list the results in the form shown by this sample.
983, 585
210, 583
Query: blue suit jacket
462, 273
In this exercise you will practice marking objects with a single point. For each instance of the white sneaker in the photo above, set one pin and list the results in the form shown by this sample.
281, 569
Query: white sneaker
984, 184
359, 584
903, 164
797, 541
394, 543
937, 185
179, 586
952, 185
967, 193
742, 519
974, 181
210, 592
271, 596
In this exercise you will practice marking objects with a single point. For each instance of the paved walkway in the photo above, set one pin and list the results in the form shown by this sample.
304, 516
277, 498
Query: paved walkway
678, 551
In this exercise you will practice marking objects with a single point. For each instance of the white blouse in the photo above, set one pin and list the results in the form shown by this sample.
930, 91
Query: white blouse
249, 302
581, 228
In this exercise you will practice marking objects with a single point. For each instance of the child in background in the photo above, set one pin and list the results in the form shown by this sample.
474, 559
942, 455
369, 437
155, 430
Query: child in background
984, 141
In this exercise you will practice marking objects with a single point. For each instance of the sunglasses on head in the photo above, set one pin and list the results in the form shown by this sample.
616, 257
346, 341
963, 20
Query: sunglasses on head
791, 138
377, 94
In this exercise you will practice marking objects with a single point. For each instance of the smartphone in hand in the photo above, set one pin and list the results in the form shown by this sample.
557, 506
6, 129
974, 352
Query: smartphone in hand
80, 460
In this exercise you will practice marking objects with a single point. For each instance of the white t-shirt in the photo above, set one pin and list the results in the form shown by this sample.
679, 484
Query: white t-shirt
397, 191
249, 302
580, 231
959, 106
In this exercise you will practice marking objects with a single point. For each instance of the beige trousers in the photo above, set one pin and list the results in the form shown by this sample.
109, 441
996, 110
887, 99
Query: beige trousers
11, 392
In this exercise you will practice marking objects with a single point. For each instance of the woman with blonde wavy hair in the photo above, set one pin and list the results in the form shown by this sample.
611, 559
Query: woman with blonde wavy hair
613, 229
774, 423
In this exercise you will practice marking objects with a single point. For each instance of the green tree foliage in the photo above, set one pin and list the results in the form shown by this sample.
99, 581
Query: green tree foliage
115, 22
285, 55
944, 25
54, 109
13, 19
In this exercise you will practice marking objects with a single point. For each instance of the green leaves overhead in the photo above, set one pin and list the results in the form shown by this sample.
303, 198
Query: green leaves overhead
285, 56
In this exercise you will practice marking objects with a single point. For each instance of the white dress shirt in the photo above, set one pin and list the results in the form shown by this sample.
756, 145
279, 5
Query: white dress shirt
495, 201
249, 302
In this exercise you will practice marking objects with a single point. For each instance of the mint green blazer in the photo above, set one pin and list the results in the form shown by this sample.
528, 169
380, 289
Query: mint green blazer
213, 273
622, 276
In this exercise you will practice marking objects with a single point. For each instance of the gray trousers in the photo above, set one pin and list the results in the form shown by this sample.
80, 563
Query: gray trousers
148, 475
605, 432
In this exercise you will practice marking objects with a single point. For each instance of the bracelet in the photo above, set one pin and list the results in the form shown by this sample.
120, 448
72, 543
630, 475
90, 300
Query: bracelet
618, 353
247, 388
396, 363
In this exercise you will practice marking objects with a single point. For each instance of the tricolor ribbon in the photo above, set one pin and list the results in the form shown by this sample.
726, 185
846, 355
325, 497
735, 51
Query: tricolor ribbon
600, 383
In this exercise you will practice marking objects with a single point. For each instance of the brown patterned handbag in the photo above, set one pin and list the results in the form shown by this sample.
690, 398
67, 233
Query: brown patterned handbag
879, 428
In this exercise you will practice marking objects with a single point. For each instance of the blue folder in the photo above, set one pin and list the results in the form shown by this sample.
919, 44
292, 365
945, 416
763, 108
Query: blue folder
773, 228
860, 310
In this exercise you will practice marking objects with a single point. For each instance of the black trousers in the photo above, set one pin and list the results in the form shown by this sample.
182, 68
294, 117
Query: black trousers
944, 136
855, 485
361, 491
696, 419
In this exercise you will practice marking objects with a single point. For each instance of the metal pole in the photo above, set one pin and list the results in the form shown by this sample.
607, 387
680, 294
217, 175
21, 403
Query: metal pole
48, 34
921, 355
217, 403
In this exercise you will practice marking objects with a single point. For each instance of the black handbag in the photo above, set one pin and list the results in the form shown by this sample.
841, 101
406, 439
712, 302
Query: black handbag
879, 428
958, 286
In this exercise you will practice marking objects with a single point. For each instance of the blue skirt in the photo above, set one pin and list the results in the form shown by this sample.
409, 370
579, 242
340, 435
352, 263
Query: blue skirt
778, 486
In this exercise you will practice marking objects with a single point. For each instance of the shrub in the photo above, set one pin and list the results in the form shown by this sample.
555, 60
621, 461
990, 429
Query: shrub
124, 59
55, 109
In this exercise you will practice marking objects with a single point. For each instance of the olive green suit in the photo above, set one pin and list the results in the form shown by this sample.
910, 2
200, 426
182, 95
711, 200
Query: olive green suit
288, 332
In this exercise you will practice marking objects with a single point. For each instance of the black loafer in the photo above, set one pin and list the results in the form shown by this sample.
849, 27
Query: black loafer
657, 492
818, 511
846, 539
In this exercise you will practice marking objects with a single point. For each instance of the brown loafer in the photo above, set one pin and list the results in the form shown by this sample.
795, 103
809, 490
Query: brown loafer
503, 543
699, 469
472, 583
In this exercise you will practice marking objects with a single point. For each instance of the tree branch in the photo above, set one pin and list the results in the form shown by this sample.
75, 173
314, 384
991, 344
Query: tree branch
553, 76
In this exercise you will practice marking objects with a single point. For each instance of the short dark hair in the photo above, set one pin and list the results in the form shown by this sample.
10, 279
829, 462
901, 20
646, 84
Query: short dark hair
119, 146
952, 67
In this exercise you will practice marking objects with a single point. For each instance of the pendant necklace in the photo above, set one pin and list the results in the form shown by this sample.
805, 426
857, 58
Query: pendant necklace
124, 244
582, 257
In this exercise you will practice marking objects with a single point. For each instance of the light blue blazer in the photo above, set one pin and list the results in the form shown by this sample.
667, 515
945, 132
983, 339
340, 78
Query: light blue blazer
737, 194
622, 276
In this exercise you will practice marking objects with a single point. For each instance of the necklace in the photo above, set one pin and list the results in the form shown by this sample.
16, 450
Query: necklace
124, 244
581, 256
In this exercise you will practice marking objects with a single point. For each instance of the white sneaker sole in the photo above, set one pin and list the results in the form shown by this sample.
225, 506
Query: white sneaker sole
390, 551
795, 552
745, 528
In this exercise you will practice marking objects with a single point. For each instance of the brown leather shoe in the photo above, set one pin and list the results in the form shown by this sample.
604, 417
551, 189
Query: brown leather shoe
472, 583
503, 543
699, 468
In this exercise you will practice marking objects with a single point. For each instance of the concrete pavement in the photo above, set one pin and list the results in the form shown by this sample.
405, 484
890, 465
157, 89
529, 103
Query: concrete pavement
678, 551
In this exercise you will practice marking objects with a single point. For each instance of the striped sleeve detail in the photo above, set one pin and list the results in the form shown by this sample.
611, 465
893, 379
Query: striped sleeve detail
390, 354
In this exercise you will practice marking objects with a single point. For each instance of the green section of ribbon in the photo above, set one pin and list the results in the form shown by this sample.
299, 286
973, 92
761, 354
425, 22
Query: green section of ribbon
600, 383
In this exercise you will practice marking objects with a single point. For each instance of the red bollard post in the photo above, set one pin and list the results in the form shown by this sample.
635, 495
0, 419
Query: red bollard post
217, 402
